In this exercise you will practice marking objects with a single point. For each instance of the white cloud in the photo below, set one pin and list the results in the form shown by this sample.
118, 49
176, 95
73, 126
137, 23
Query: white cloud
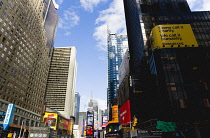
114, 17
59, 1
199, 5
67, 34
88, 5
68, 20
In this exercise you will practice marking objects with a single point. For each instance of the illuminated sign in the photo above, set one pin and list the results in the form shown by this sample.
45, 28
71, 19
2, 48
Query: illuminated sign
51, 119
8, 116
105, 119
125, 114
115, 113
90, 119
172, 36
63, 123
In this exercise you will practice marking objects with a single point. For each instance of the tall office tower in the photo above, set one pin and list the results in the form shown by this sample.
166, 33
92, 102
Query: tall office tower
93, 109
24, 60
117, 46
76, 107
60, 90
169, 63
50, 18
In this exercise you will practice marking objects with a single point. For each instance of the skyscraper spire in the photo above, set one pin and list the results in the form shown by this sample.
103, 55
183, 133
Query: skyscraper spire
91, 96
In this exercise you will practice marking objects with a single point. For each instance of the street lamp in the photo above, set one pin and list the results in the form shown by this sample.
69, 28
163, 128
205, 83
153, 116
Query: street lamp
21, 128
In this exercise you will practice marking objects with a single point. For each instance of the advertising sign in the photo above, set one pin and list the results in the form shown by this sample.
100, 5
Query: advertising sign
42, 132
8, 116
71, 124
173, 35
125, 114
66, 124
104, 121
90, 119
51, 119
115, 113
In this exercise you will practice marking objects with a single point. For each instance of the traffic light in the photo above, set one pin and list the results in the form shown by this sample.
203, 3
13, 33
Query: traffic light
134, 123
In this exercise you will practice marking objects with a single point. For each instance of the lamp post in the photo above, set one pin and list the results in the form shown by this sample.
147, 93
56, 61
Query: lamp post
21, 128
130, 129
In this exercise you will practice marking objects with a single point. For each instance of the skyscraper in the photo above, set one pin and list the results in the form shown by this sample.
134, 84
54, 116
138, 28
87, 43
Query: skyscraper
117, 46
76, 107
169, 63
50, 18
60, 90
24, 59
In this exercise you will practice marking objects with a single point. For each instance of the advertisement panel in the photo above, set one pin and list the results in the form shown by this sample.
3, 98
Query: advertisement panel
66, 124
90, 119
51, 119
60, 123
8, 116
125, 114
71, 124
172, 36
104, 121
115, 113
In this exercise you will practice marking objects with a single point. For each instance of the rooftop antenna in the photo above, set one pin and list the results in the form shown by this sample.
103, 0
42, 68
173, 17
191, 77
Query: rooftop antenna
108, 30
91, 96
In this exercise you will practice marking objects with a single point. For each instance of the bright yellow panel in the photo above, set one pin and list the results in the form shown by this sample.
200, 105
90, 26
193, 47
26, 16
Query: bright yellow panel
172, 36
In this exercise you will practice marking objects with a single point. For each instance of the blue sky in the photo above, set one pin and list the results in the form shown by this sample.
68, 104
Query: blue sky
83, 24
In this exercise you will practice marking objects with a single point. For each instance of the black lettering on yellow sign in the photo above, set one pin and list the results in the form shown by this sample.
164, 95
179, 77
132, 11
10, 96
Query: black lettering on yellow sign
172, 35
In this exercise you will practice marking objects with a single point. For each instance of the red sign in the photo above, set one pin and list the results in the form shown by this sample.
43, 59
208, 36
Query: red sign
125, 113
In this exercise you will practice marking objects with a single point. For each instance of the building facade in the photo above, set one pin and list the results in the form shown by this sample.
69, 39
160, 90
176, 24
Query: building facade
117, 46
60, 90
24, 60
76, 107
169, 64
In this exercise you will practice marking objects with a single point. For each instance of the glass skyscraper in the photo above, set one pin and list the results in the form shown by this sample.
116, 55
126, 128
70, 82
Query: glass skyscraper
169, 49
117, 46
76, 106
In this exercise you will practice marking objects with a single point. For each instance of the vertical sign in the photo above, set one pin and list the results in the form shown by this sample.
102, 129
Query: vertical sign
125, 113
51, 119
9, 115
115, 113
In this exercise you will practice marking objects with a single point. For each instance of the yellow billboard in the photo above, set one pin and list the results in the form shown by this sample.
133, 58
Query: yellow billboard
115, 113
51, 119
172, 36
